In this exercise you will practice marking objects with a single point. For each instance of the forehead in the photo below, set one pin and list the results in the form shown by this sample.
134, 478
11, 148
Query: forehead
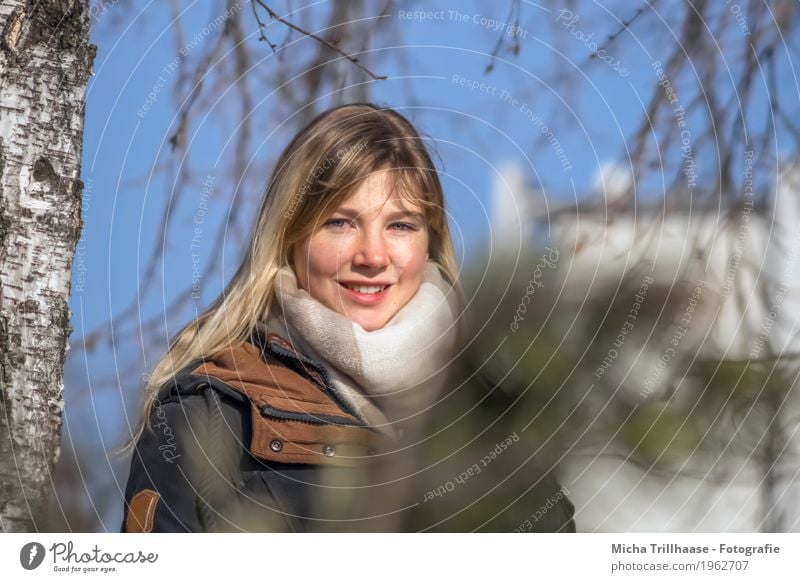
381, 192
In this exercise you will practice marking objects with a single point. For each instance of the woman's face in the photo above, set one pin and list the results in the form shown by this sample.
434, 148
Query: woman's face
366, 261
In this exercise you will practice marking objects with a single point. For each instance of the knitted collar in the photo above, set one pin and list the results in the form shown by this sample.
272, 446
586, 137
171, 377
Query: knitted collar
389, 376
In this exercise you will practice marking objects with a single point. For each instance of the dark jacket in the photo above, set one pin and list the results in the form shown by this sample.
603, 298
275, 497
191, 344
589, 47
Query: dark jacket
256, 438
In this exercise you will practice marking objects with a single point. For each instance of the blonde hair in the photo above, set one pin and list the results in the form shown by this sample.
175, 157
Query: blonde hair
324, 163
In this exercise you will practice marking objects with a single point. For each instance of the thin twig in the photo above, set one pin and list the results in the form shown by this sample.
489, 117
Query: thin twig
515, 6
625, 25
261, 26
202, 70
324, 42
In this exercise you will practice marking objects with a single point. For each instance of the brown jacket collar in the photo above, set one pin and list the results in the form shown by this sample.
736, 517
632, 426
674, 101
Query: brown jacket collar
296, 413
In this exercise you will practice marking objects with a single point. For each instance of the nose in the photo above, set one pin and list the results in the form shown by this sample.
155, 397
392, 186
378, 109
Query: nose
371, 251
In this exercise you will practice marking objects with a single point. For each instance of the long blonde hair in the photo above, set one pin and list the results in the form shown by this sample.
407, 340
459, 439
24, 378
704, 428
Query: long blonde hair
324, 163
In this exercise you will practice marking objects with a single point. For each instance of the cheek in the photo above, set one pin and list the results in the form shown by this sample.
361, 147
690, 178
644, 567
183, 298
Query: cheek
414, 258
310, 264
324, 258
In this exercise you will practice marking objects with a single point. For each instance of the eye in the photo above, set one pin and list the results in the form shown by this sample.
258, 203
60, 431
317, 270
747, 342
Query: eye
401, 226
336, 223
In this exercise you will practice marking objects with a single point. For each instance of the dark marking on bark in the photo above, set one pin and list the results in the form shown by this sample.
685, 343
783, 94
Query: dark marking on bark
5, 364
14, 28
4, 227
62, 226
43, 172
60, 316
68, 227
28, 306
59, 23
77, 219
4, 222
91, 53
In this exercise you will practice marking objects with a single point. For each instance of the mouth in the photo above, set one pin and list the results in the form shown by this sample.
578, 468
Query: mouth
365, 294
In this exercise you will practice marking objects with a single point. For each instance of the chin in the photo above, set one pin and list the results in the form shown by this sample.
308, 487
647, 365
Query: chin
369, 325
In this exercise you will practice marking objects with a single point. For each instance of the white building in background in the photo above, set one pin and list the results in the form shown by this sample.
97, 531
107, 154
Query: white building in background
729, 253
511, 206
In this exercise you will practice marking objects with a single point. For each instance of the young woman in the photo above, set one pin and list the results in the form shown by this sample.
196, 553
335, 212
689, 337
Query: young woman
293, 402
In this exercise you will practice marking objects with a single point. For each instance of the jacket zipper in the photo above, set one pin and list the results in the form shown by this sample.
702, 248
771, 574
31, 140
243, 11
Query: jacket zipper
280, 414
319, 419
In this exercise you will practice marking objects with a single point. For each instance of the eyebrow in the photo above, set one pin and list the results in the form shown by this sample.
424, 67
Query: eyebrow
409, 214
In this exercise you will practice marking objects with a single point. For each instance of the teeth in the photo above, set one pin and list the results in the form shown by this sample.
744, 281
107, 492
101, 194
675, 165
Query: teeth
366, 288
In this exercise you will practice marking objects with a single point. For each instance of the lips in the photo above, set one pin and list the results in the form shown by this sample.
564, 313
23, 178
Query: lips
375, 288
365, 294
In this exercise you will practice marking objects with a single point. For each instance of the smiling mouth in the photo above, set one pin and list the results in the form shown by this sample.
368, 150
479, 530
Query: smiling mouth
366, 289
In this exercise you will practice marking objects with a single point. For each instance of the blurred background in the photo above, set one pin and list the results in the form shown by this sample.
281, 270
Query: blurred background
622, 185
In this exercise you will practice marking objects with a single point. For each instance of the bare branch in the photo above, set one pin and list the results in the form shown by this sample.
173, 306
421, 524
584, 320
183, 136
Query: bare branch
515, 7
261, 26
322, 41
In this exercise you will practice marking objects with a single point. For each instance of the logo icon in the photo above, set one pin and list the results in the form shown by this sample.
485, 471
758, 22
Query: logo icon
31, 555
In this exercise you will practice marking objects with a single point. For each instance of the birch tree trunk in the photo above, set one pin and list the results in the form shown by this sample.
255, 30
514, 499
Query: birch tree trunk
45, 62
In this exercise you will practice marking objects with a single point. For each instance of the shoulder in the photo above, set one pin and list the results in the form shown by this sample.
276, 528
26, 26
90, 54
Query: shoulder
192, 425
195, 409
189, 384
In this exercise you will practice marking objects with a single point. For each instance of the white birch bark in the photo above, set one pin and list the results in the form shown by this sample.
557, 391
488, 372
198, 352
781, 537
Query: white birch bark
45, 62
